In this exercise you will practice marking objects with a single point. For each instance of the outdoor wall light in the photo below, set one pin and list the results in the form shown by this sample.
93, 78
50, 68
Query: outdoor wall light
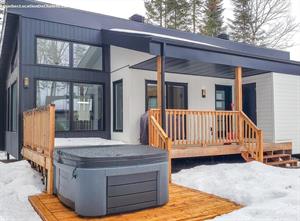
26, 82
203, 93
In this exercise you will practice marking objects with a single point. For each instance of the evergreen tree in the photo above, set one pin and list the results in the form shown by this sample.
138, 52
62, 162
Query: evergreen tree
240, 25
177, 14
212, 23
155, 11
196, 14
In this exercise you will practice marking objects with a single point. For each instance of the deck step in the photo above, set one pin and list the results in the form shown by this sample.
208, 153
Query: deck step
284, 163
267, 157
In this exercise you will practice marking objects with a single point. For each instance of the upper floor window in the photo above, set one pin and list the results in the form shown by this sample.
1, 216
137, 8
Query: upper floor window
87, 56
53, 52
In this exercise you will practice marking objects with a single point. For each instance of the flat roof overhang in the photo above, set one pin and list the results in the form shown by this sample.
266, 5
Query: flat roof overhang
193, 57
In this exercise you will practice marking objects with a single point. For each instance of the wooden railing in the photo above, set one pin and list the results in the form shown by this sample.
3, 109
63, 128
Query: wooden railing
38, 140
159, 139
206, 128
252, 139
188, 127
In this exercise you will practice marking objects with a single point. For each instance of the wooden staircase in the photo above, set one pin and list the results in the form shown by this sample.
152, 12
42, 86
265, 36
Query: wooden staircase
279, 155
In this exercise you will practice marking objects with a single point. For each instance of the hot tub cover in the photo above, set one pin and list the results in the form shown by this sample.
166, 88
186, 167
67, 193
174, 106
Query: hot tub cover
109, 156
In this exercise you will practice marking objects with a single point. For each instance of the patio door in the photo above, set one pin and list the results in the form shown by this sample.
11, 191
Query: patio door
249, 101
223, 103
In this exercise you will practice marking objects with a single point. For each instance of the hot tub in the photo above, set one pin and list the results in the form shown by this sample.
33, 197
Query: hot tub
96, 181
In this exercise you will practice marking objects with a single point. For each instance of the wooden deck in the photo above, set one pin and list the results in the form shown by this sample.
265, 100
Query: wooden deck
186, 151
184, 204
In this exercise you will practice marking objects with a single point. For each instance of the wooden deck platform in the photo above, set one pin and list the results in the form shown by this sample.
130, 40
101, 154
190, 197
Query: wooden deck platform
184, 204
186, 151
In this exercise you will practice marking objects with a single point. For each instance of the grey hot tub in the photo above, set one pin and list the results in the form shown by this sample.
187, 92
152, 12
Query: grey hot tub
96, 181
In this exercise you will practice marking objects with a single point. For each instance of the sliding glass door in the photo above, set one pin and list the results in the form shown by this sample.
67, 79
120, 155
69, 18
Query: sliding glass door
79, 107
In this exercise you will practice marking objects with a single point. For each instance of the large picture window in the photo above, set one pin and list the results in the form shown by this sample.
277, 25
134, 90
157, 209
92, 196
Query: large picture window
176, 95
118, 106
88, 107
87, 56
53, 52
58, 93
81, 110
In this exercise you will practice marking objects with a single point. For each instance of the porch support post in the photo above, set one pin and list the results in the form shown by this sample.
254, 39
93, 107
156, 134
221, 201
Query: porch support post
161, 103
239, 100
238, 89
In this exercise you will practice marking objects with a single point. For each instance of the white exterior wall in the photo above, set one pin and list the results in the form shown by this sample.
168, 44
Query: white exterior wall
287, 109
264, 104
277, 95
134, 90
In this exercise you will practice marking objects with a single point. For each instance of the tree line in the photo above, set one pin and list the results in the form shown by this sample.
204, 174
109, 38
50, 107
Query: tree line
265, 23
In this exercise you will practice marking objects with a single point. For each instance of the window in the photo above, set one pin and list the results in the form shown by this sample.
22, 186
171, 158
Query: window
53, 52
118, 106
88, 107
14, 103
176, 95
223, 97
151, 95
79, 107
58, 93
87, 56
14, 59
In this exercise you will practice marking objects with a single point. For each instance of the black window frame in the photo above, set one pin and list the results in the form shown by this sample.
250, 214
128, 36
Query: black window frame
71, 106
115, 129
167, 83
71, 53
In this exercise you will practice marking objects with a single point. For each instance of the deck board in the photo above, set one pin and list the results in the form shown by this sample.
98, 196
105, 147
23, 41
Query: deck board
184, 204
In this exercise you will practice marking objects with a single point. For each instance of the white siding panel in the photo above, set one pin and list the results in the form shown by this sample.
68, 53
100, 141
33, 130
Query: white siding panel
287, 109
265, 103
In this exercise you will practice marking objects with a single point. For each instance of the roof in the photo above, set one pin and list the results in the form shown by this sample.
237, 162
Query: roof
179, 46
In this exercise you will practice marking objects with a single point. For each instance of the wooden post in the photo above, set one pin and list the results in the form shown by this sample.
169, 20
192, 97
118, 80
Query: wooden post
238, 89
158, 76
239, 101
161, 103
260, 143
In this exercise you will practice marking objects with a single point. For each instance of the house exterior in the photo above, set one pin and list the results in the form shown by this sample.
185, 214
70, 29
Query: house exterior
100, 72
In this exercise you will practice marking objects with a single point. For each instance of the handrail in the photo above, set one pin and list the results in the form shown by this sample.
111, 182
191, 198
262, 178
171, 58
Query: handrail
252, 139
159, 139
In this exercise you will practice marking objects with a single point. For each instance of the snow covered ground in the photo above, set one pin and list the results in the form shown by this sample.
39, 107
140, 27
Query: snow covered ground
268, 193
17, 182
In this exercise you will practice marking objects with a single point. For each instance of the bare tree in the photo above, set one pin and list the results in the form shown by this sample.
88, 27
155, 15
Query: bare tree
271, 23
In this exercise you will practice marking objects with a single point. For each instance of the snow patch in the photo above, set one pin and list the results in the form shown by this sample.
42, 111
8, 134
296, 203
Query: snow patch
268, 193
84, 141
17, 182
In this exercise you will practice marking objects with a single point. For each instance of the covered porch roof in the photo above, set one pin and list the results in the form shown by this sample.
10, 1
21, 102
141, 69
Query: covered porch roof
200, 58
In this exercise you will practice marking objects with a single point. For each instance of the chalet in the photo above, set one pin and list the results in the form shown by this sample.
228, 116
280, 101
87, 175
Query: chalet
208, 96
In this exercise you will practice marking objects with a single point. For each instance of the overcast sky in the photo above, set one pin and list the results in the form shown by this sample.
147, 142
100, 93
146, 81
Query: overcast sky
126, 8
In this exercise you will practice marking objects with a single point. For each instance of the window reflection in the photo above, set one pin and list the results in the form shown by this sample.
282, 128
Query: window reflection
52, 52
86, 56
53, 92
88, 107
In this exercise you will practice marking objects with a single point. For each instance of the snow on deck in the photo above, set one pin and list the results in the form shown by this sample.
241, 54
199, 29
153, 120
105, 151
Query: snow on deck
84, 141
268, 193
